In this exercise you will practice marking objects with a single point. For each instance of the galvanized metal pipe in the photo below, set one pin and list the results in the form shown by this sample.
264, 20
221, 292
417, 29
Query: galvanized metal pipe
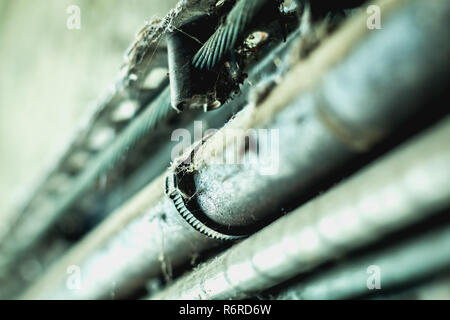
398, 190
314, 133
160, 159
145, 238
401, 265
213, 119
364, 99
142, 126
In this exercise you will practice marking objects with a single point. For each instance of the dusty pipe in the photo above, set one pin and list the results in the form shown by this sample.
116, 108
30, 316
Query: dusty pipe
145, 238
263, 68
259, 70
398, 190
125, 236
365, 98
398, 266
25, 234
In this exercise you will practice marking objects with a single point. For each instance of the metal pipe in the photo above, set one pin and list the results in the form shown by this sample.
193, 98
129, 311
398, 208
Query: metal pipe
216, 119
145, 238
138, 130
143, 55
29, 231
437, 288
401, 265
140, 225
364, 99
400, 189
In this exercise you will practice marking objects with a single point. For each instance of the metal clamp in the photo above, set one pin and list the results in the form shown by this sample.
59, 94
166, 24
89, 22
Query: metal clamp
180, 188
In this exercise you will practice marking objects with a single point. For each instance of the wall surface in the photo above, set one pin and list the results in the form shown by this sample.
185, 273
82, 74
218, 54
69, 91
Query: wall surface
50, 75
